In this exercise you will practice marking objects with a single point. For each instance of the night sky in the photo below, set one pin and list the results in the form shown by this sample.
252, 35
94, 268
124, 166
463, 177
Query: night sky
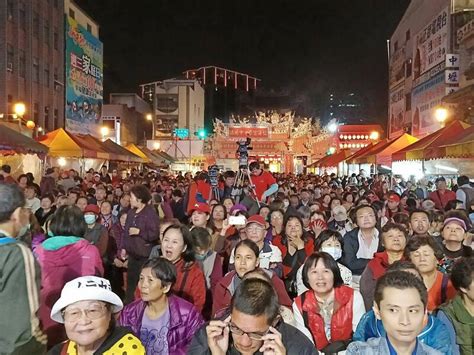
307, 48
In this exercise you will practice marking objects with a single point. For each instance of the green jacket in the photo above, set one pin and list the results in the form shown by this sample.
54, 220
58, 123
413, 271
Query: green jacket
463, 324
19, 300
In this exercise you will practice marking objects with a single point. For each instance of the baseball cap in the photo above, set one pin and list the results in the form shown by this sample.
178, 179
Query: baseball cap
455, 220
340, 213
92, 208
238, 207
85, 288
428, 205
394, 197
256, 218
201, 207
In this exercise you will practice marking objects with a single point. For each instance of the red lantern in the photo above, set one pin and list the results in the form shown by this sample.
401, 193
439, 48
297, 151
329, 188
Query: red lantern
30, 124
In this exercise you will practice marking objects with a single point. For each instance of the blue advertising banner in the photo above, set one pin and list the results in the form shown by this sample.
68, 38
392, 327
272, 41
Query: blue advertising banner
84, 80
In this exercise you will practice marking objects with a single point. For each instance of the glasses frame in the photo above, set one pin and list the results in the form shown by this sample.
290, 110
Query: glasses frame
85, 312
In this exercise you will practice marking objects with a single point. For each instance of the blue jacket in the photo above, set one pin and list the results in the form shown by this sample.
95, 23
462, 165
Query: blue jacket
379, 346
433, 334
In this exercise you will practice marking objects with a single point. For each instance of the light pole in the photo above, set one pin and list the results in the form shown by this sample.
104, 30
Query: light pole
149, 117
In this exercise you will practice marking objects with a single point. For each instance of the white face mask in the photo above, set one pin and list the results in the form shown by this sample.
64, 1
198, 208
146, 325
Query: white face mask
336, 253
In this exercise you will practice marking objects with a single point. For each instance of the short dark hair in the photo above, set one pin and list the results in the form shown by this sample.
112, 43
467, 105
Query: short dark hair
401, 280
390, 225
462, 180
417, 210
328, 261
254, 166
188, 254
201, 237
229, 174
11, 198
162, 269
249, 244
417, 241
402, 265
141, 192
401, 218
462, 273
177, 193
326, 235
68, 221
256, 297
6, 168
360, 207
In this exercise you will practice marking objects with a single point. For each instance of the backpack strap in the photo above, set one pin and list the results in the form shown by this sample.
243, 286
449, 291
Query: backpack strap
444, 288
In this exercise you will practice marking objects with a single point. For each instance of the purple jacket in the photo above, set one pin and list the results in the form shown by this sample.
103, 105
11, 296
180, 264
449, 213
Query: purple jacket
148, 222
185, 321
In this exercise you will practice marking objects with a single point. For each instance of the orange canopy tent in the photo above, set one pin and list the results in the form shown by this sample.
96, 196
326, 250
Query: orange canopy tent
416, 150
360, 152
381, 153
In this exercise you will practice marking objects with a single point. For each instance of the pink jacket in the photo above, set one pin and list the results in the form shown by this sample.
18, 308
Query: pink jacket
63, 259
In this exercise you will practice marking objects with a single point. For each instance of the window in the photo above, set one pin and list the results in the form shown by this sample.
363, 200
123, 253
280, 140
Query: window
408, 68
36, 112
46, 117
36, 70
56, 119
46, 32
56, 4
55, 39
55, 74
407, 35
10, 57
22, 15
72, 14
46, 75
89, 28
10, 99
407, 102
36, 24
10, 11
22, 63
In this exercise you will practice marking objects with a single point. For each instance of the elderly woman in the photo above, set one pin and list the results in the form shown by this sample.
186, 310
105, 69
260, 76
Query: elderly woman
177, 246
328, 313
166, 323
453, 235
246, 259
330, 242
63, 256
294, 247
86, 308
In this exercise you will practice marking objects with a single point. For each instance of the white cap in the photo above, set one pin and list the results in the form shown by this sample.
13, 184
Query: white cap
339, 213
85, 288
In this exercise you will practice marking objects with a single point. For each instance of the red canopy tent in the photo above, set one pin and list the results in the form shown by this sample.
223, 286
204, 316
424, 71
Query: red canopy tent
438, 148
359, 153
335, 159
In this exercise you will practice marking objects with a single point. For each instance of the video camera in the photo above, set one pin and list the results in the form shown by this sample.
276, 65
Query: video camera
243, 151
213, 175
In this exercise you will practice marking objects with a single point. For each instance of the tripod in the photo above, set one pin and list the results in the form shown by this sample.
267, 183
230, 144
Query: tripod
237, 188
213, 180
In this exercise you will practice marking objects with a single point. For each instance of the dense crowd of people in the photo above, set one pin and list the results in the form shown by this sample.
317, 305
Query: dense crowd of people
130, 262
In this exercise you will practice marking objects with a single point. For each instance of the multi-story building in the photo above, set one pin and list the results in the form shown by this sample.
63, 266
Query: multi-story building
83, 71
177, 103
423, 63
348, 108
32, 60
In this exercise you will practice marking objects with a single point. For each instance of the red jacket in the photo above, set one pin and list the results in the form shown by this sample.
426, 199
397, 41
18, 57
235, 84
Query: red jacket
341, 321
190, 284
308, 249
224, 291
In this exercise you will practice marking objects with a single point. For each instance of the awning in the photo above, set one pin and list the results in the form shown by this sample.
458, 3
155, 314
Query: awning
125, 154
332, 160
415, 151
13, 142
146, 154
381, 154
437, 149
137, 151
350, 159
64, 144
461, 147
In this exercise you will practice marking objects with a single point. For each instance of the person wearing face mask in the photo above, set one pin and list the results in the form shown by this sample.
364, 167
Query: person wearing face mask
63, 256
19, 298
394, 240
340, 222
96, 233
210, 263
331, 242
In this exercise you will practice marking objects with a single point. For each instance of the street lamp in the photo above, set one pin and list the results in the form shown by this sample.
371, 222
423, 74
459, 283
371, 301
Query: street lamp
104, 131
374, 135
441, 114
149, 117
19, 108
157, 145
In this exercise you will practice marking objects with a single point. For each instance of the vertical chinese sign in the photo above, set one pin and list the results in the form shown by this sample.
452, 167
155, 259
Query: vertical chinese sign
84, 79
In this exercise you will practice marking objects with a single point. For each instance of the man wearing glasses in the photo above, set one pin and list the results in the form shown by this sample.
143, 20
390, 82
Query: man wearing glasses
254, 326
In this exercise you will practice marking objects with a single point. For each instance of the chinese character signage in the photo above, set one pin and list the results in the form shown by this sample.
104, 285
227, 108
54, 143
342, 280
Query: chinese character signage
397, 67
84, 79
425, 99
397, 111
252, 132
431, 44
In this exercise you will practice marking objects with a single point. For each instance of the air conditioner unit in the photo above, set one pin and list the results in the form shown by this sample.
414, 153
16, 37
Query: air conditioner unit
10, 66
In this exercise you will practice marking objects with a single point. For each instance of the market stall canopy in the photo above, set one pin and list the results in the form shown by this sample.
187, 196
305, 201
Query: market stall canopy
381, 153
127, 155
137, 151
350, 159
64, 144
13, 142
332, 160
146, 154
159, 158
456, 146
415, 151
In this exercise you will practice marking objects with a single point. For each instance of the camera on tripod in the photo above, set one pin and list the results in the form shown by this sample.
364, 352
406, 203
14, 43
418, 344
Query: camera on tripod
243, 151
213, 175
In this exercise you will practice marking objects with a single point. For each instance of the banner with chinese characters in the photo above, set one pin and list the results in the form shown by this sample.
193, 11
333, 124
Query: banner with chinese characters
397, 111
84, 80
252, 132
431, 44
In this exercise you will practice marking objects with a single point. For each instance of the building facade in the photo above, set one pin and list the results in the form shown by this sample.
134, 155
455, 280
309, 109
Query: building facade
32, 60
177, 103
424, 64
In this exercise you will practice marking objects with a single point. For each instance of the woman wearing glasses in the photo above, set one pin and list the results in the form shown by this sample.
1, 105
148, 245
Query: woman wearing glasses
86, 308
